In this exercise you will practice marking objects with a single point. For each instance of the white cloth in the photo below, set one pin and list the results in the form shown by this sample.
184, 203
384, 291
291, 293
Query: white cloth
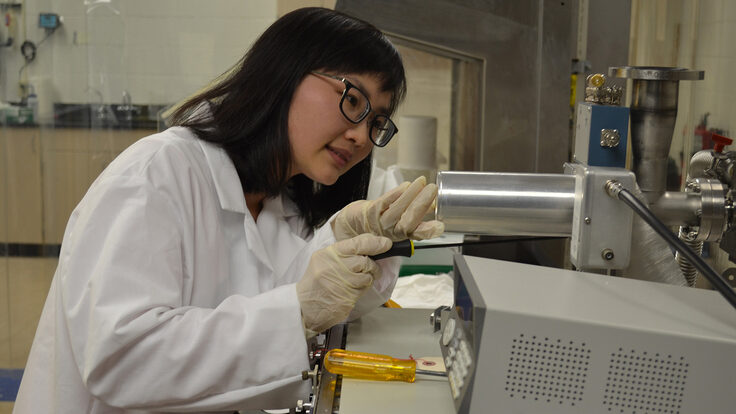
383, 181
170, 297
424, 291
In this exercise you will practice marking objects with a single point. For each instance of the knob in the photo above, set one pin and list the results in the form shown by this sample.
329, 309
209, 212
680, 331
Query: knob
720, 142
435, 318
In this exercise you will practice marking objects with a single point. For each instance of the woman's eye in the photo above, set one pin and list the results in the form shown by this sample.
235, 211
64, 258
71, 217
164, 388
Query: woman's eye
378, 123
352, 100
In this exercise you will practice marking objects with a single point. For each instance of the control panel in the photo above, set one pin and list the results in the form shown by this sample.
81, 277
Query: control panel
457, 351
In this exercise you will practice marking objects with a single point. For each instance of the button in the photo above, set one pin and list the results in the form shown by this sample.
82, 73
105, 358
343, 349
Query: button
449, 331
465, 354
467, 359
460, 358
464, 347
462, 371
452, 377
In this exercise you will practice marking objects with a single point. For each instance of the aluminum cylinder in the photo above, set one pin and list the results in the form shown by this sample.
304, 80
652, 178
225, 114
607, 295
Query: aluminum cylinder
506, 204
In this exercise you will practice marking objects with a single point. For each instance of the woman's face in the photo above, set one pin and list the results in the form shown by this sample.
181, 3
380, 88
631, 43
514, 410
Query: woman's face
324, 143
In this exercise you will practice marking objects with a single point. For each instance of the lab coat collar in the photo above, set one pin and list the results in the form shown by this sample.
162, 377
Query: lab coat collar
281, 205
229, 188
227, 182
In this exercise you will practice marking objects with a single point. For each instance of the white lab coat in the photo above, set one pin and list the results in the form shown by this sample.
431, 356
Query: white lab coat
170, 297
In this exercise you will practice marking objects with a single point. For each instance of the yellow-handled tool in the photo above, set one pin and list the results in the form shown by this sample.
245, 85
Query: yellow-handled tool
376, 367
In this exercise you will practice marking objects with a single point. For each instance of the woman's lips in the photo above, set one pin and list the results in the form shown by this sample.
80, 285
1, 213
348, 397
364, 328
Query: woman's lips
341, 157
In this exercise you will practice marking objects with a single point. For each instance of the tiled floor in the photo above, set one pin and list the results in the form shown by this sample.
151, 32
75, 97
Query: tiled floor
24, 284
4, 315
6, 407
28, 285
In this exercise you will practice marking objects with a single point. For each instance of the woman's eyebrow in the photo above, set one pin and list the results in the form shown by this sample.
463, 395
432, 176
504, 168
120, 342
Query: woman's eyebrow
359, 84
354, 81
381, 110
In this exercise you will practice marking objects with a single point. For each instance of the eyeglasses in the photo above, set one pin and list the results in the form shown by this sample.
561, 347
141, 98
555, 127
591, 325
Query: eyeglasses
355, 107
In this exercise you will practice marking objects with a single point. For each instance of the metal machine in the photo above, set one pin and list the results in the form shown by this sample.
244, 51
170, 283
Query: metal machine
532, 339
536, 339
547, 204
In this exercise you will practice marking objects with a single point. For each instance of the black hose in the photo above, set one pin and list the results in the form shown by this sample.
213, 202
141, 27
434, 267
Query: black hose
703, 267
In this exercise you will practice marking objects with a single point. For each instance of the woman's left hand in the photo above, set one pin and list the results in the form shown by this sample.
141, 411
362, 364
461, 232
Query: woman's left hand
397, 214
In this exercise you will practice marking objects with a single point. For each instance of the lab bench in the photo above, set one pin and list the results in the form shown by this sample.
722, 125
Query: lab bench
400, 333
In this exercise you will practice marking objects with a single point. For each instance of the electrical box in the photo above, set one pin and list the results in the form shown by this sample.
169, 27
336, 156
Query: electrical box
601, 135
601, 225
49, 21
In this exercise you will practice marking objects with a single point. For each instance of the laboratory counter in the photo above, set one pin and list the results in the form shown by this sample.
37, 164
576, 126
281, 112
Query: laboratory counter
400, 333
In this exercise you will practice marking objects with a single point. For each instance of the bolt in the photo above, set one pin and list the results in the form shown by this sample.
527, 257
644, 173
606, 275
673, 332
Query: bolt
587, 220
607, 254
610, 138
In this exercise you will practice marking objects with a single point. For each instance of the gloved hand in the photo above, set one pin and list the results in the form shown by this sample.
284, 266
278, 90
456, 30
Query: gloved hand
397, 214
335, 278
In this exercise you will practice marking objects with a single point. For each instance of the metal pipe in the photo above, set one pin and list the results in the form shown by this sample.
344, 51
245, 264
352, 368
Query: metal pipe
653, 114
506, 203
678, 208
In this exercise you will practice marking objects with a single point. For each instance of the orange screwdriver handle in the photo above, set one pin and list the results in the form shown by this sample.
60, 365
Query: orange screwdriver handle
367, 366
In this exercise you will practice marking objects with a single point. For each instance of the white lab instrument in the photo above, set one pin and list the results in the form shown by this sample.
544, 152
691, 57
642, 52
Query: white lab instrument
532, 339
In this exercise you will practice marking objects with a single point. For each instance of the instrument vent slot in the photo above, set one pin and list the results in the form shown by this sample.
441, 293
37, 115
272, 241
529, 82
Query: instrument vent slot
643, 382
545, 369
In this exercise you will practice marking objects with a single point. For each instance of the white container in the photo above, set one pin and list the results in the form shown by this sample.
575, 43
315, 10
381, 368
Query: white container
417, 152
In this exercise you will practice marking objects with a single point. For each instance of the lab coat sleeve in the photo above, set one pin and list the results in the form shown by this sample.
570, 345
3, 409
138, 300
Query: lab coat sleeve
135, 341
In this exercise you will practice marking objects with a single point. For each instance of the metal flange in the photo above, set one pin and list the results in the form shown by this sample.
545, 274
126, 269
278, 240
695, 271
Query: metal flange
655, 73
713, 217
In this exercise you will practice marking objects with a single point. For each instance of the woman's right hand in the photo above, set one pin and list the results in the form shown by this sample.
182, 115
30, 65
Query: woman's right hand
335, 278
397, 214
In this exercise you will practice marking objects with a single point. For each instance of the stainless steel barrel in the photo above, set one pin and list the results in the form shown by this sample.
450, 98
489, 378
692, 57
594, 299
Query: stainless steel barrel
653, 114
506, 203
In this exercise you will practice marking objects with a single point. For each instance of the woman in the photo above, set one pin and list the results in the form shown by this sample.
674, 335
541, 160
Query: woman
198, 264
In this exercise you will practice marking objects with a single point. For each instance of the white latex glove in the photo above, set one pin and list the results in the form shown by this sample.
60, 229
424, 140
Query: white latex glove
397, 214
335, 278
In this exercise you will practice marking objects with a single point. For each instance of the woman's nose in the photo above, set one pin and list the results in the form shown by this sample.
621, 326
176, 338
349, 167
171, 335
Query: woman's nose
358, 133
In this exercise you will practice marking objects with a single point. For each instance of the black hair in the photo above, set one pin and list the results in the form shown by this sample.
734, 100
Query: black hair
249, 107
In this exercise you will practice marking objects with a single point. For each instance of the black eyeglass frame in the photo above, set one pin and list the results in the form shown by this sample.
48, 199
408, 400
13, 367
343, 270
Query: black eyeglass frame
349, 85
